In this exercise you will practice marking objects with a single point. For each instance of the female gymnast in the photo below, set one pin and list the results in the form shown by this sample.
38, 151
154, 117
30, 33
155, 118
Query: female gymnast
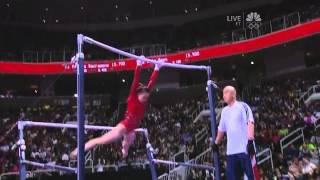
136, 107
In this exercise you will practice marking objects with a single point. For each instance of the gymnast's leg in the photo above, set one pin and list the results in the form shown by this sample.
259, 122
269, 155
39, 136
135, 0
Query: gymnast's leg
127, 141
109, 137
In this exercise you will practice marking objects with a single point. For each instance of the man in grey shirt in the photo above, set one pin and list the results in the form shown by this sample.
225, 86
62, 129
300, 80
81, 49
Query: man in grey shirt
238, 123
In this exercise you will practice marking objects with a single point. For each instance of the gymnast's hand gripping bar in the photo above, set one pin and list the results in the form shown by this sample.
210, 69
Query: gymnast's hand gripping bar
141, 58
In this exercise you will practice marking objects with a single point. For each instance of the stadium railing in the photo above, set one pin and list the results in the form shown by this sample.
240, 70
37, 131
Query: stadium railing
203, 133
265, 27
291, 138
164, 176
88, 161
313, 93
264, 156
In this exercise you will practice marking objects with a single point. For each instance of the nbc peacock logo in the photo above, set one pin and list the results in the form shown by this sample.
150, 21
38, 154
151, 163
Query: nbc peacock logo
253, 20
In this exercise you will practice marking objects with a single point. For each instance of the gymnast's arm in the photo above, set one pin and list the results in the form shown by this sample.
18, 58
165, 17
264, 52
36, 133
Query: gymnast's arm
153, 78
136, 78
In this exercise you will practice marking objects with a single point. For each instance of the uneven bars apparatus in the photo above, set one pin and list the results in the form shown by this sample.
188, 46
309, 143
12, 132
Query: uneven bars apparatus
79, 61
210, 84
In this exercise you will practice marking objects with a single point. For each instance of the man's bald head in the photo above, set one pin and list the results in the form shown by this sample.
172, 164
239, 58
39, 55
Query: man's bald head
230, 89
229, 94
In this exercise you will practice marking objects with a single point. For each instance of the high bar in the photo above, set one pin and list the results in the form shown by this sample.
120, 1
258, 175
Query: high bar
50, 166
129, 55
199, 166
72, 126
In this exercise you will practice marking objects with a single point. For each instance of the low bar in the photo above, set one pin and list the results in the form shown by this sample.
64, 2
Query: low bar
199, 166
71, 126
50, 166
118, 51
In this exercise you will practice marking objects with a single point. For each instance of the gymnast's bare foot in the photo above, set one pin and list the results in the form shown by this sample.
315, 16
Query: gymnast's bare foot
125, 149
73, 154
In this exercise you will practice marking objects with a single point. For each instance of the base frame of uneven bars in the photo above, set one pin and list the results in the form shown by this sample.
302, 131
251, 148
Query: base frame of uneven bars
50, 166
199, 166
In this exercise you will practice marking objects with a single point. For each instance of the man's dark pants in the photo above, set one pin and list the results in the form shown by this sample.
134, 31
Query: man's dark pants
238, 165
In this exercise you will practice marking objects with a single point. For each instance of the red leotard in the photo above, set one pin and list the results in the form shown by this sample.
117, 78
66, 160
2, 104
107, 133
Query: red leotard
135, 109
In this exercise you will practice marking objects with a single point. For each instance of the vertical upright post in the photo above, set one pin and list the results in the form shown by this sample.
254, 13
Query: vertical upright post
22, 166
211, 96
152, 164
80, 108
